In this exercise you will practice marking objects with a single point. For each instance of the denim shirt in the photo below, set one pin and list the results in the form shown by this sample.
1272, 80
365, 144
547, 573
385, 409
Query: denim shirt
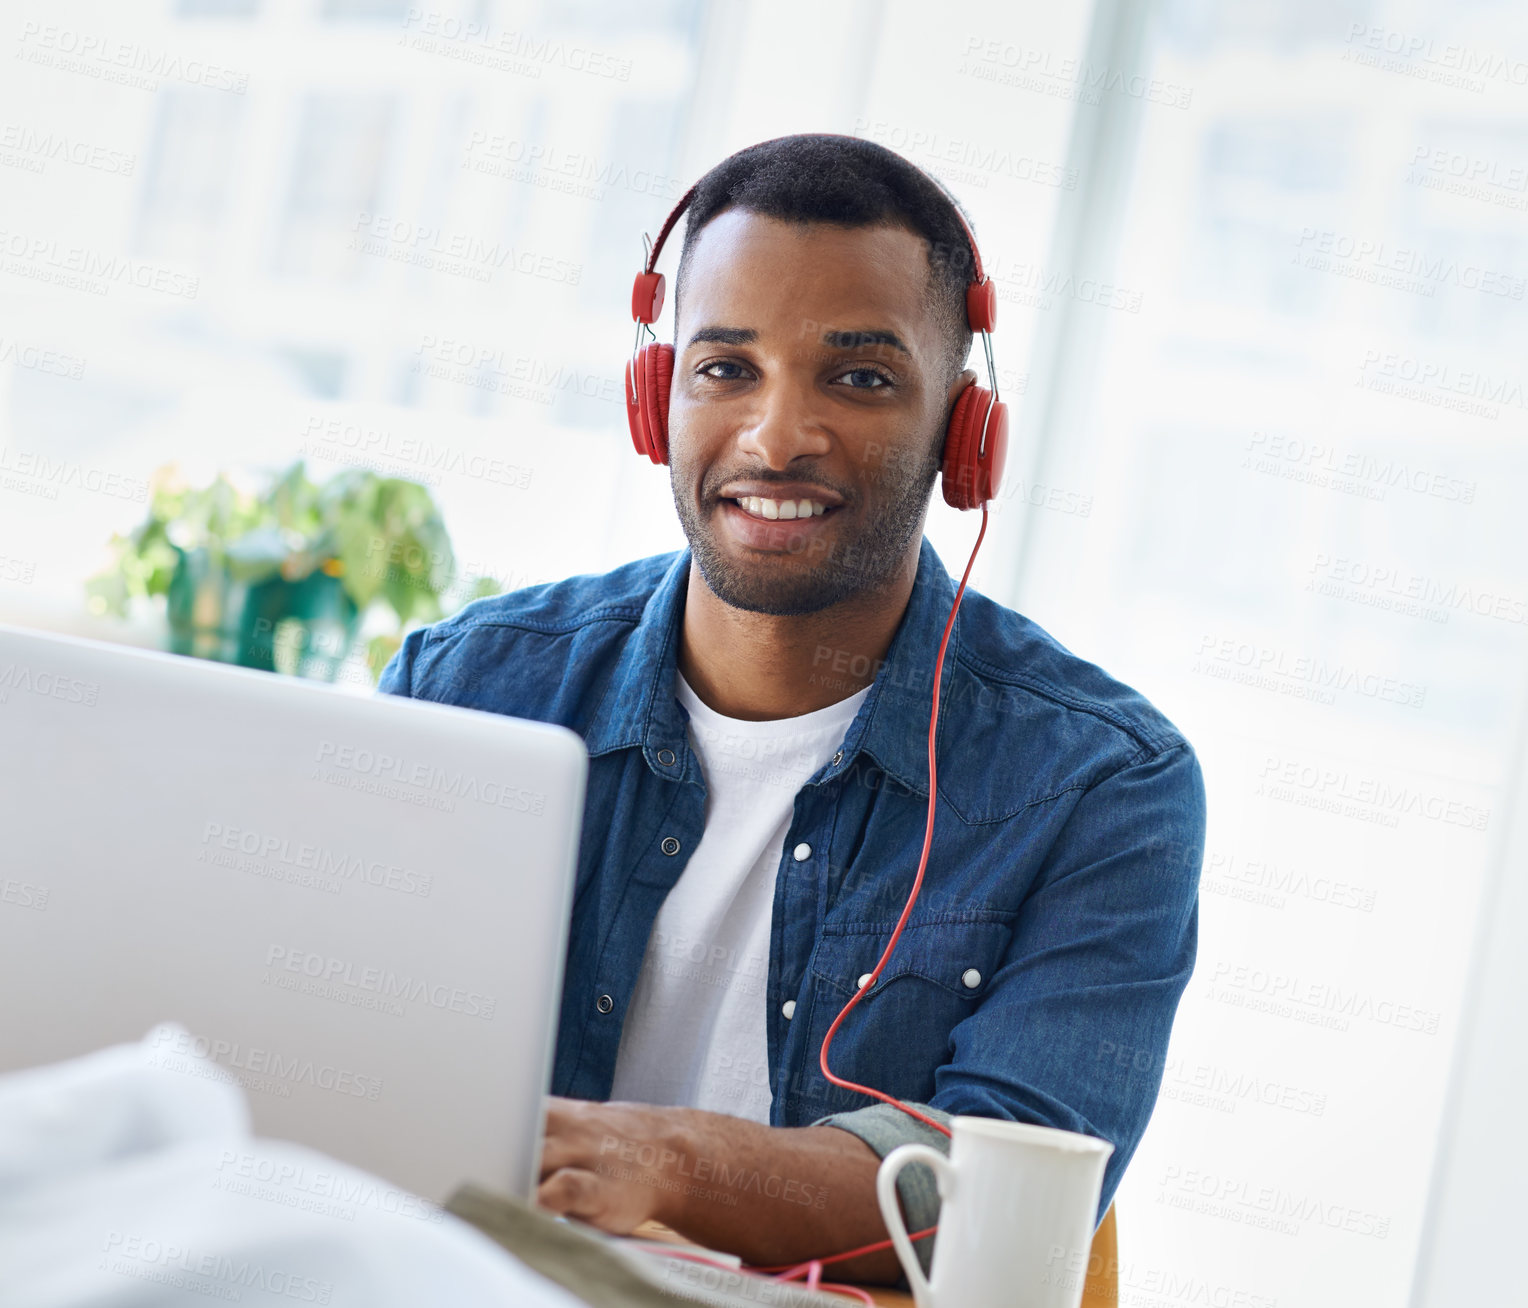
1039, 973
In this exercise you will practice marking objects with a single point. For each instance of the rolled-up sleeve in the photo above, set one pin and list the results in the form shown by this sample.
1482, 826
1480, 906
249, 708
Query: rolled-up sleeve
883, 1128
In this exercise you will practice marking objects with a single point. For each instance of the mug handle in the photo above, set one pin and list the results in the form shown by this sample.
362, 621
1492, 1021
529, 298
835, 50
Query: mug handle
886, 1193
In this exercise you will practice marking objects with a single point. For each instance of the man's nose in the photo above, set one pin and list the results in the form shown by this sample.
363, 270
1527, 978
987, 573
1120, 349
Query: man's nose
785, 424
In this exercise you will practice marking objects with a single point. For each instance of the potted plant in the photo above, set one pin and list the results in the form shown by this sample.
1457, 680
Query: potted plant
282, 580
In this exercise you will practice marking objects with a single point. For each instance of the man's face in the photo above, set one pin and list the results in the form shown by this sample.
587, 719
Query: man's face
807, 368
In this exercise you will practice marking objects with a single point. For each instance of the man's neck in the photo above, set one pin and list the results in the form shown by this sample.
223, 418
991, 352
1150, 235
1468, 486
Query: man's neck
760, 667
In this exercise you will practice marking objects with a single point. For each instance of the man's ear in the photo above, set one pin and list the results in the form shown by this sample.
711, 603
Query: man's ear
959, 384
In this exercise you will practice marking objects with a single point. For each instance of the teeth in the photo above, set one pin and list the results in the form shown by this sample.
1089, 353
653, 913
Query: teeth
759, 507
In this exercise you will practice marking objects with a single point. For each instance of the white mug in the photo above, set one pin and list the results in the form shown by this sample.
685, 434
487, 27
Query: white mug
1019, 1209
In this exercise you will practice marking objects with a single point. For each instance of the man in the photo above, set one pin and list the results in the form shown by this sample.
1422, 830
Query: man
756, 712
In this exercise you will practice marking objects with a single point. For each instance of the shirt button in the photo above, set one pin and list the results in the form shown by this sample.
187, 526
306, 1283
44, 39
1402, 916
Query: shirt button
838, 758
802, 852
863, 981
670, 845
789, 1009
666, 757
970, 978
604, 1003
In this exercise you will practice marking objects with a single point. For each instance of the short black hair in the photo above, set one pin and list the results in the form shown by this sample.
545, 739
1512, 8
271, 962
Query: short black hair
823, 178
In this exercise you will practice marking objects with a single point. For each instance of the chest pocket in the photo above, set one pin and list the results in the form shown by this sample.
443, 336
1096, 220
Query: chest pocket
899, 1033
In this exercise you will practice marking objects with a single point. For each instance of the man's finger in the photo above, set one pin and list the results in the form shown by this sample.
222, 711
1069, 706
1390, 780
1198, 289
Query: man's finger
572, 1192
560, 1151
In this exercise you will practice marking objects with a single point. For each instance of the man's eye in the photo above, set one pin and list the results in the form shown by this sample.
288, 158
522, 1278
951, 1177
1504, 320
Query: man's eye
705, 369
869, 379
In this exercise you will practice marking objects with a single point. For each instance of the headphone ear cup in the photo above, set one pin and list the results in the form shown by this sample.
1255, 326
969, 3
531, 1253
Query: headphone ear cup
659, 360
634, 407
968, 477
647, 397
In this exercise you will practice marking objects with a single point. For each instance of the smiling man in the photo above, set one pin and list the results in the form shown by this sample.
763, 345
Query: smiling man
756, 713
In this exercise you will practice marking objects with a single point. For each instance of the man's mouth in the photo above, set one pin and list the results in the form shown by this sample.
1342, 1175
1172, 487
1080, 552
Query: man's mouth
772, 510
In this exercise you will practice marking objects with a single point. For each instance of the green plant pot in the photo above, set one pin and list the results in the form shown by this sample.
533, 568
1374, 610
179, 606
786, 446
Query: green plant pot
301, 628
205, 607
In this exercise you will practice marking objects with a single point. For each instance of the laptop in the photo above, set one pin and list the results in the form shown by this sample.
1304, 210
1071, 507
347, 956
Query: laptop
355, 907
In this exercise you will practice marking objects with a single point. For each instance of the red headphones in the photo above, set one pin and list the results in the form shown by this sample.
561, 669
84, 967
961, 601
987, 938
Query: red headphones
975, 441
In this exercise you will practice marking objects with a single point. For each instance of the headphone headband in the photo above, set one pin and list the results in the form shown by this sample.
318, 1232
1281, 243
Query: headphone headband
647, 295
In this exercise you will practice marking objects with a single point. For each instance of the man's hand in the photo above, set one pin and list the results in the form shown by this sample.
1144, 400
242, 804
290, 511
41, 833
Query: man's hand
608, 1164
773, 1195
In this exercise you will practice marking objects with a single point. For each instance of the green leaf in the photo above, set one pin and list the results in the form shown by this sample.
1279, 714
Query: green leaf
383, 536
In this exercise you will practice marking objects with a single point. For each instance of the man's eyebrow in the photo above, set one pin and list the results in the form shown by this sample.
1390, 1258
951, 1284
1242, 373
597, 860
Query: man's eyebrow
725, 336
841, 340
858, 340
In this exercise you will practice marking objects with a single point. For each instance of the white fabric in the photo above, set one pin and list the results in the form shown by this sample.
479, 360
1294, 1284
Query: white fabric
695, 1028
124, 1185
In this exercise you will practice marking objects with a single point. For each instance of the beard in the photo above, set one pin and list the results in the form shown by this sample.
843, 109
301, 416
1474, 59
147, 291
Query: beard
820, 574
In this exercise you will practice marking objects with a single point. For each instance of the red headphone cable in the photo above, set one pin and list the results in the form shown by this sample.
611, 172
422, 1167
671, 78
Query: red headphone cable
912, 897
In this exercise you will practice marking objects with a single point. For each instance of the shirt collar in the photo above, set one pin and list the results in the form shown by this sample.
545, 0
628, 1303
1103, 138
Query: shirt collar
639, 709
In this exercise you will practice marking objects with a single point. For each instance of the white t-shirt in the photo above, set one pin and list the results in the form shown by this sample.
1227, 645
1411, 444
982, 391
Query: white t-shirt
694, 1034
